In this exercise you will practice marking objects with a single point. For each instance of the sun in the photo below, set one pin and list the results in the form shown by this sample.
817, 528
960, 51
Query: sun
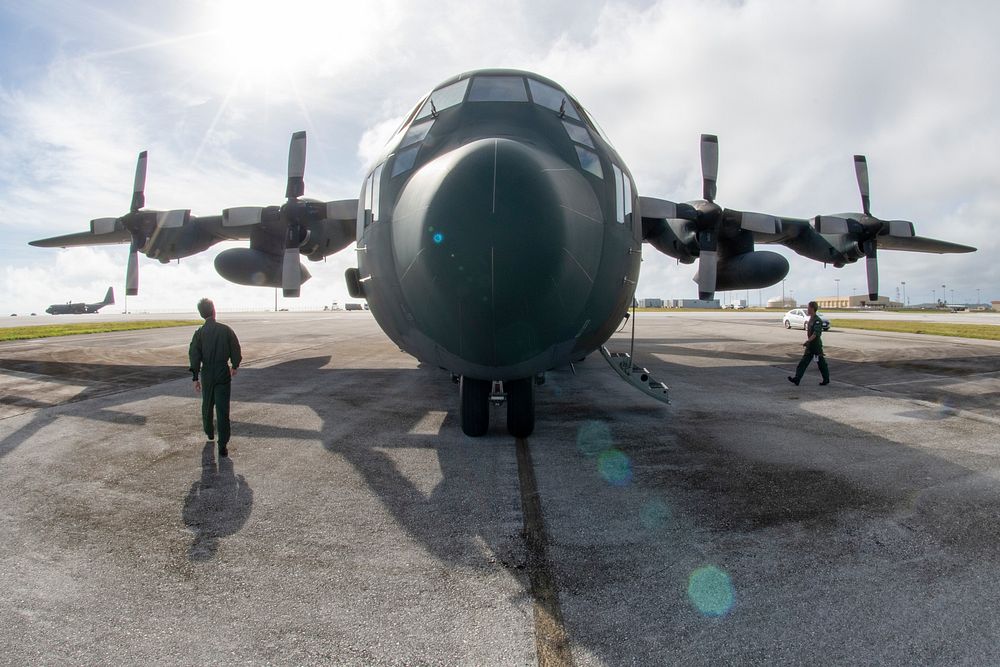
264, 43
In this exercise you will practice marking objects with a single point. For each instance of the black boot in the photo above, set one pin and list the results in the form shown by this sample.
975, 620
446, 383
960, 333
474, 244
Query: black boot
793, 380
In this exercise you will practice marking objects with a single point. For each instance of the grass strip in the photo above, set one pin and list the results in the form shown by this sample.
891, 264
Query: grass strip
50, 330
980, 331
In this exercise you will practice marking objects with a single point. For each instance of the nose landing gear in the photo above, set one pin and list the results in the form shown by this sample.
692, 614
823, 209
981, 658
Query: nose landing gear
476, 396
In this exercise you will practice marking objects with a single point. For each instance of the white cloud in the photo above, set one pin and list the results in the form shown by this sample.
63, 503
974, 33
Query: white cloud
792, 89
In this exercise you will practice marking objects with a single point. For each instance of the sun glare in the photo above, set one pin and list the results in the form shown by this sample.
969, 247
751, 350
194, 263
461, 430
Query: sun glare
260, 43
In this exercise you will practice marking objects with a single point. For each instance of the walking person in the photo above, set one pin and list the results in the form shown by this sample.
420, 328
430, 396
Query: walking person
814, 348
215, 357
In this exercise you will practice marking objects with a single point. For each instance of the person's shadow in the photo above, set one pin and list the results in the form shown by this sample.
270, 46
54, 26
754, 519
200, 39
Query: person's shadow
217, 505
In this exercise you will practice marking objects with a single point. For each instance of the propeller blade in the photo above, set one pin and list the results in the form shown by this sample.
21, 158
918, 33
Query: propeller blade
830, 224
871, 264
709, 165
139, 187
132, 272
240, 216
296, 165
291, 273
708, 265
861, 171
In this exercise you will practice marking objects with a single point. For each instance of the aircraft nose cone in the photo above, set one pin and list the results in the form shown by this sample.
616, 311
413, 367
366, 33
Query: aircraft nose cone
497, 244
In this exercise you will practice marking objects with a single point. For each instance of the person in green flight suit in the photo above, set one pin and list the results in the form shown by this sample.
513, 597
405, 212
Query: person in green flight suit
814, 348
214, 347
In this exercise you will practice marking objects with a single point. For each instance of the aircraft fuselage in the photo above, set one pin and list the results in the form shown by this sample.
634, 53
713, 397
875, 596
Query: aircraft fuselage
497, 238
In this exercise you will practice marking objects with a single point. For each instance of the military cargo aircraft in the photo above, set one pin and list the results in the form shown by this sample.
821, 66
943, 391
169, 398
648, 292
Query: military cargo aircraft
499, 236
81, 308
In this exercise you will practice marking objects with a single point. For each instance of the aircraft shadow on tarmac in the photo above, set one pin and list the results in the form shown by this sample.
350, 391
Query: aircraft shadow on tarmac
717, 495
368, 415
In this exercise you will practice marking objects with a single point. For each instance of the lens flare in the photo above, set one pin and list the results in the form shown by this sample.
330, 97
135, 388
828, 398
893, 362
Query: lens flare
615, 467
711, 591
438, 237
592, 438
654, 515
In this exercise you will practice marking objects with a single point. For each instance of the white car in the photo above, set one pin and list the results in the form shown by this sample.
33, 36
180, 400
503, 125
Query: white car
797, 317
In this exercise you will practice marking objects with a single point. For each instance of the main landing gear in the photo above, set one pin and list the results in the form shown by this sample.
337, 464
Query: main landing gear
477, 395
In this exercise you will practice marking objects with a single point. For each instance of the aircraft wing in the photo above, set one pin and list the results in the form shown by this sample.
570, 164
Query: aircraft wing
279, 235
832, 233
921, 244
83, 238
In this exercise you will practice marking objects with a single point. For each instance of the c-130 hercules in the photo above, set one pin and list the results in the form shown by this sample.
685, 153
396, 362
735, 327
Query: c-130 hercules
500, 236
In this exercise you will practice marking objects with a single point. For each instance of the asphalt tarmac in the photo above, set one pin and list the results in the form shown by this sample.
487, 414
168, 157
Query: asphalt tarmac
749, 522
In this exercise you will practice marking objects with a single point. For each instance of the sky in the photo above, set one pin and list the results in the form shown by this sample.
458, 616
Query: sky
214, 90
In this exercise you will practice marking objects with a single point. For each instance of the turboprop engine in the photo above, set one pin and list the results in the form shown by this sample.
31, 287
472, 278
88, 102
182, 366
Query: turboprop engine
245, 266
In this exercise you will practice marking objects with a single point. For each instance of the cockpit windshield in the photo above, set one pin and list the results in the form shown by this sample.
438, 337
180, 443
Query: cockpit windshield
442, 98
499, 86
498, 89
552, 98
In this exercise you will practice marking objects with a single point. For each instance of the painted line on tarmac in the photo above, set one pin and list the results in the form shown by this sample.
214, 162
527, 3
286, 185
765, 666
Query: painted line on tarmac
551, 640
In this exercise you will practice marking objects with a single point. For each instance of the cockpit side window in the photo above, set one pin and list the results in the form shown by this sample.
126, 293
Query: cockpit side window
498, 89
593, 123
415, 134
590, 161
578, 133
404, 161
376, 192
623, 196
551, 98
442, 98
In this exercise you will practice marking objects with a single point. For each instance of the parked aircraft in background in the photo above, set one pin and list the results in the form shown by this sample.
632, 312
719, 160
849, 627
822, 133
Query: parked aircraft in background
81, 308
500, 236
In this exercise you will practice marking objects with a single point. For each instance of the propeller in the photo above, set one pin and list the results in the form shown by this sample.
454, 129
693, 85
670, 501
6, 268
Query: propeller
293, 216
710, 218
142, 226
136, 228
874, 227
288, 224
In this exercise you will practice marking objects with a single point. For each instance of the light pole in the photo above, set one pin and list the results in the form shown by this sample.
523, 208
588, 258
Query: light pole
837, 280
944, 295
978, 300
904, 292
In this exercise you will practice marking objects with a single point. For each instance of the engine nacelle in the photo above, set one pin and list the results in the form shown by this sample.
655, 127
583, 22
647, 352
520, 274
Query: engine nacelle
751, 270
246, 266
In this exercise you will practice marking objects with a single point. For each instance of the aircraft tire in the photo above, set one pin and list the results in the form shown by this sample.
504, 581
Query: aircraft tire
475, 406
520, 407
